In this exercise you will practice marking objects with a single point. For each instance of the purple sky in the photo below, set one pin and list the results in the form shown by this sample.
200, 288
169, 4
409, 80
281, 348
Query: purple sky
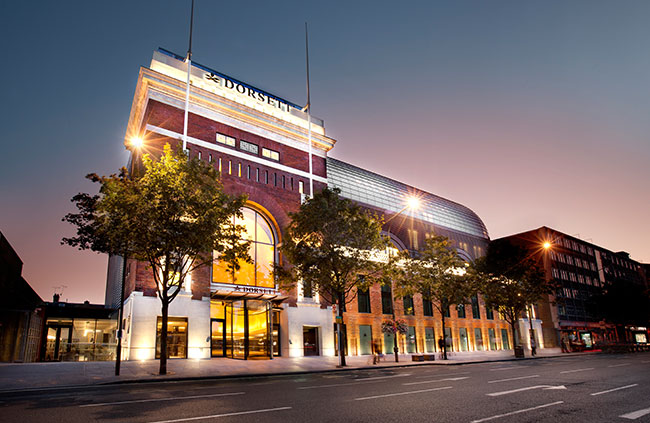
529, 113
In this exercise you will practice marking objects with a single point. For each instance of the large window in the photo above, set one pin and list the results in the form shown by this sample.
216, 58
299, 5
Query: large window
261, 251
460, 309
386, 300
176, 337
476, 313
427, 308
408, 305
363, 298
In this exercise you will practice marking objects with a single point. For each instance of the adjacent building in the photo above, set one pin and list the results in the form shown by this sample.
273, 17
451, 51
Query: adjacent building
270, 149
581, 270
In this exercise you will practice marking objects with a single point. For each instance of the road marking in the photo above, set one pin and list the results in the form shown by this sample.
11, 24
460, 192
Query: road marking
162, 399
615, 389
507, 368
577, 370
214, 416
512, 378
620, 365
528, 388
381, 377
403, 393
645, 361
443, 375
636, 414
517, 412
437, 380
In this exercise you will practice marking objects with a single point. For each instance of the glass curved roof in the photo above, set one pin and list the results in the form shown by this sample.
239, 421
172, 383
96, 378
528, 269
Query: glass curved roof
379, 191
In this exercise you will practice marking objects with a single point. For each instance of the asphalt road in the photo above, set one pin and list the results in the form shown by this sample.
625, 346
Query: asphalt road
589, 388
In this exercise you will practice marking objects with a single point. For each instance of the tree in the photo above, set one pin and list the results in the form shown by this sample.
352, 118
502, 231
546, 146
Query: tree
172, 217
510, 279
331, 244
438, 273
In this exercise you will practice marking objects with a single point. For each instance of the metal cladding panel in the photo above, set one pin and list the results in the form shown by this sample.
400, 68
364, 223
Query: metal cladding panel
379, 191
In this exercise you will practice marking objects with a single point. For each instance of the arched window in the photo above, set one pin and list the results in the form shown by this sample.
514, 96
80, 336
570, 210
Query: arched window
261, 251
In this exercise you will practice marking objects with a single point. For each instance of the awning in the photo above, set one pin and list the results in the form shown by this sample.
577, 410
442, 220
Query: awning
238, 295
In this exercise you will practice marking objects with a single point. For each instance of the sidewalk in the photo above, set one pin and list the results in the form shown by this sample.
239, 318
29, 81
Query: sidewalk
34, 376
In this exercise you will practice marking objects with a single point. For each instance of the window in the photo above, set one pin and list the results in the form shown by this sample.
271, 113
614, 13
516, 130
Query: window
261, 251
229, 167
225, 139
307, 289
249, 147
266, 177
386, 299
210, 158
408, 305
275, 179
219, 164
176, 337
489, 313
239, 169
413, 238
363, 298
427, 308
555, 273
257, 174
284, 182
248, 171
301, 187
476, 312
446, 312
198, 155
270, 154
460, 309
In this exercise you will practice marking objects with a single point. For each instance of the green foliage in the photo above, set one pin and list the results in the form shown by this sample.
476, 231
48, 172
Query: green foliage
510, 279
331, 245
172, 217
437, 272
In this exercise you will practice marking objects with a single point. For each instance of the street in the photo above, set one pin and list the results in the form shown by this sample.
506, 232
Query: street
575, 388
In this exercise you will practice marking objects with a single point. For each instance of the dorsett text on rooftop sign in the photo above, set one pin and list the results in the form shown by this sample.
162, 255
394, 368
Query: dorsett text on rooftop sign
247, 91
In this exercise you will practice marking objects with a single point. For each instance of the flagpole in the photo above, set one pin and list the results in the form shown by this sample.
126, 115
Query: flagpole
311, 178
187, 89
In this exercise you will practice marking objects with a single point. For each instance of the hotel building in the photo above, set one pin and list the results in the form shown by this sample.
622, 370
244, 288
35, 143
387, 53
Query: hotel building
260, 144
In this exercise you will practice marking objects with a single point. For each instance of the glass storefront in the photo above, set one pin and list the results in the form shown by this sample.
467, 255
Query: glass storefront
365, 339
80, 340
243, 329
429, 340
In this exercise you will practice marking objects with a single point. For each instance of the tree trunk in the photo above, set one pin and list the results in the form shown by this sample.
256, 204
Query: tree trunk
444, 338
395, 347
163, 337
339, 326
515, 338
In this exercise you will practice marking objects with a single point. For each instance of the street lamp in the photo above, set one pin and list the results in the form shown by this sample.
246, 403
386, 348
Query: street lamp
137, 144
412, 203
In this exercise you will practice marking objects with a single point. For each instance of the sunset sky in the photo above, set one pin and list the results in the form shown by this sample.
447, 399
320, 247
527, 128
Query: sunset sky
529, 113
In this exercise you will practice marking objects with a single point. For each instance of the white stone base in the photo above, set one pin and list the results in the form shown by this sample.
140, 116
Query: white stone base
311, 315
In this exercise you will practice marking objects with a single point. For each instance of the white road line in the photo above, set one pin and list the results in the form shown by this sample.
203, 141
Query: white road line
517, 412
352, 382
380, 377
620, 365
507, 368
615, 389
636, 414
577, 370
527, 388
512, 378
214, 416
403, 393
162, 399
645, 361
442, 375
437, 380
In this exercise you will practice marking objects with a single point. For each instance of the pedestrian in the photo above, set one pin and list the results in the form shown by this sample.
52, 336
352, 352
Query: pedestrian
563, 344
376, 353
533, 346
441, 344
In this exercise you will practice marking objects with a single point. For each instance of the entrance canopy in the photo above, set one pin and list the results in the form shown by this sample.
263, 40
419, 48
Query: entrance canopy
238, 295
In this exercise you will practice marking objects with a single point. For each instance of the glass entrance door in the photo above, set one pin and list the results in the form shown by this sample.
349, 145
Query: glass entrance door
218, 338
58, 342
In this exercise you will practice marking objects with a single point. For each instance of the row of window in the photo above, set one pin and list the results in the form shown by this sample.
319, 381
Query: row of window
363, 301
248, 147
572, 245
254, 173
574, 261
570, 276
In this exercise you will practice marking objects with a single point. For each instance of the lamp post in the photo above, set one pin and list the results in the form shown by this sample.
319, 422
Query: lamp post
136, 144
412, 203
